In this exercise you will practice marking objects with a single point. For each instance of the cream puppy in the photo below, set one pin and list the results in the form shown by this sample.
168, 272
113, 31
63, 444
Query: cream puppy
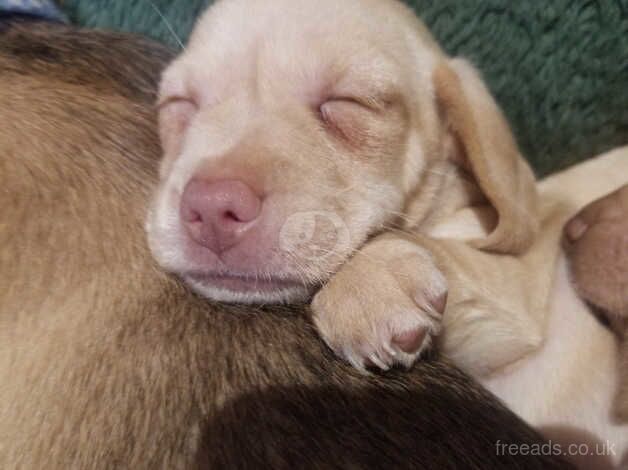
321, 127
332, 149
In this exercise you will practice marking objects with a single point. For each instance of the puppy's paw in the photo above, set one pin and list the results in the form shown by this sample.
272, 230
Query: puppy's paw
597, 245
383, 307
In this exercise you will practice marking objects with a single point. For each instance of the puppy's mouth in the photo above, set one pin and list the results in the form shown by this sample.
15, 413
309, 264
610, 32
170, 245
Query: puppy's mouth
244, 283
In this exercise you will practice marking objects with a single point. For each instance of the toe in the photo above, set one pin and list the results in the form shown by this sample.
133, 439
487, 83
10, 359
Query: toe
440, 303
410, 341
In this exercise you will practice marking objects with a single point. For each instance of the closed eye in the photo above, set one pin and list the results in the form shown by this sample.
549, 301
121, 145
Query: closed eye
177, 101
347, 118
176, 113
346, 100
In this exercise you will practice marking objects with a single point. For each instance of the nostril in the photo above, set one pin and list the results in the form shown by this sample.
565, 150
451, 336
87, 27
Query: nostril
189, 214
195, 217
232, 217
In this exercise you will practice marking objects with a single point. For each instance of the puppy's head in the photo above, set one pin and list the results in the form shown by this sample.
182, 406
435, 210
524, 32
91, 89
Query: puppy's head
294, 130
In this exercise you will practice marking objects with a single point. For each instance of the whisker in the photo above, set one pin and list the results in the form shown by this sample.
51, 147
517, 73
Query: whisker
167, 23
446, 172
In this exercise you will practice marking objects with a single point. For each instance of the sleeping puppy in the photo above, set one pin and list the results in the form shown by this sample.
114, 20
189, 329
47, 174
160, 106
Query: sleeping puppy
598, 248
289, 153
335, 151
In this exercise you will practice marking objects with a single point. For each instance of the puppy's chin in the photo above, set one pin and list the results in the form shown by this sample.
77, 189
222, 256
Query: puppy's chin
279, 282
248, 289
267, 276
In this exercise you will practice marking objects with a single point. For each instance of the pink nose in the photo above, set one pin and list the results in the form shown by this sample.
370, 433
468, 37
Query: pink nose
218, 215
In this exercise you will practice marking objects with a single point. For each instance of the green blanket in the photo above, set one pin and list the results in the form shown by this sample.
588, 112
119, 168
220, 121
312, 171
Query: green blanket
559, 68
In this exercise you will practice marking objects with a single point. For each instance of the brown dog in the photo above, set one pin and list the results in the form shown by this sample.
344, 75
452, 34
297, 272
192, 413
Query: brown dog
598, 247
105, 362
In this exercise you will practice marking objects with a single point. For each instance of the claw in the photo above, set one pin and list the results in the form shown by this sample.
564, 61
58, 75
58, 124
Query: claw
390, 350
355, 361
378, 362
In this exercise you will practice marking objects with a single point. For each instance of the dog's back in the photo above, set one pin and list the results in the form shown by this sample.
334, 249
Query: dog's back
105, 362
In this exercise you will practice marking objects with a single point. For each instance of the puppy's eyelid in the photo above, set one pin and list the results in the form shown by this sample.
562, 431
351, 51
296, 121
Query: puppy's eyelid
365, 103
375, 101
337, 124
167, 100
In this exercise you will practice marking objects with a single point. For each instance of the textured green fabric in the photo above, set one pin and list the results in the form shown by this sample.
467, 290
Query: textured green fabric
559, 68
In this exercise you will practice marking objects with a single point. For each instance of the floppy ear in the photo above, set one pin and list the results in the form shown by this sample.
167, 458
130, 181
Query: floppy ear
491, 154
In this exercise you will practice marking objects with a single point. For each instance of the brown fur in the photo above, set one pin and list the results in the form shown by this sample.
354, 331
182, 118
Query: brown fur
597, 243
106, 362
